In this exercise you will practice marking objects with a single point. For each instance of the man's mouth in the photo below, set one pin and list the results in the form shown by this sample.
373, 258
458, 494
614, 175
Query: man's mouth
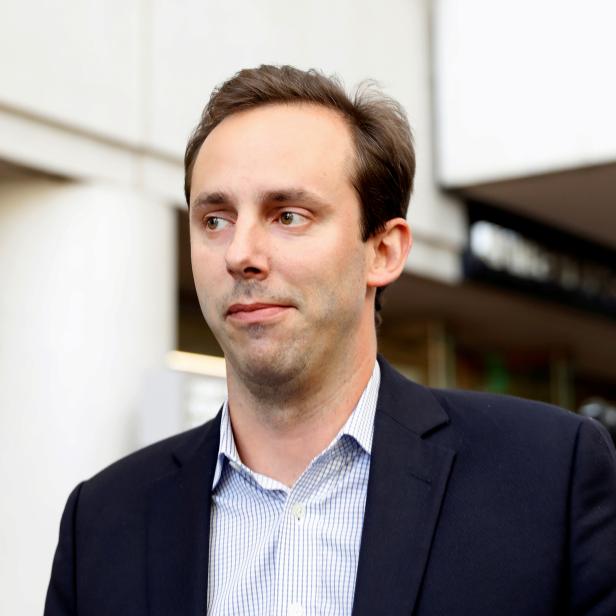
256, 312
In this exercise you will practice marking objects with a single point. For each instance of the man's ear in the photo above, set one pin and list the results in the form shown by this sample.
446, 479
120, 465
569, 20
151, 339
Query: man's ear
390, 248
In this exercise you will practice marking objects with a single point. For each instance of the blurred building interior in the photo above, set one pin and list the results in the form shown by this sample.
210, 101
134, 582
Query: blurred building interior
510, 286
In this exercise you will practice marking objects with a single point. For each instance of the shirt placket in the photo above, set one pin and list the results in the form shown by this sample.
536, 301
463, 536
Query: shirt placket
290, 557
297, 560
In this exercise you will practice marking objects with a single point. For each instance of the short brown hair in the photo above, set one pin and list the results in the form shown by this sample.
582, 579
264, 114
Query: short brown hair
385, 157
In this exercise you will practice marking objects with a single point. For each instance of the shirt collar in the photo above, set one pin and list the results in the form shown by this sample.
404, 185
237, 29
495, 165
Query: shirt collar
359, 426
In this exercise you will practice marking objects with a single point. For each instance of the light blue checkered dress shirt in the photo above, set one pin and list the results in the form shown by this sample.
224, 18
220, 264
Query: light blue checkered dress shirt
279, 551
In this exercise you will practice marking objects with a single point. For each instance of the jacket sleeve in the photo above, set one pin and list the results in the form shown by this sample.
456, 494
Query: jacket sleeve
61, 596
592, 539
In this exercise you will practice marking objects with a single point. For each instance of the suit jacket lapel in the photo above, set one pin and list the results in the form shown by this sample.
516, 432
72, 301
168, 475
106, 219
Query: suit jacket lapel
178, 529
408, 478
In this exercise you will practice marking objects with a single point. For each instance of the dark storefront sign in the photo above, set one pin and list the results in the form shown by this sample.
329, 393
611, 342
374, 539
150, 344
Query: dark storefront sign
521, 254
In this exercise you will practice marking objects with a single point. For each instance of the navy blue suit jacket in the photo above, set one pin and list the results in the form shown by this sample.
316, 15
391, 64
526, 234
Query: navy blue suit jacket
477, 505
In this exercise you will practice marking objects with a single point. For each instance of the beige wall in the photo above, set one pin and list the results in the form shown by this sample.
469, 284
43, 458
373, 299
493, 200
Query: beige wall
523, 87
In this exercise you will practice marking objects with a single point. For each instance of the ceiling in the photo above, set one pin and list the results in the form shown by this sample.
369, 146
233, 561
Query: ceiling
581, 201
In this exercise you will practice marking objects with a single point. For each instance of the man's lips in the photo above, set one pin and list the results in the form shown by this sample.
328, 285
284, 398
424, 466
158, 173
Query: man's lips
258, 311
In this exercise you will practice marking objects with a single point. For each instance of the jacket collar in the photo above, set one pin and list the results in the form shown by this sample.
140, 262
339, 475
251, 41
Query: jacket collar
408, 479
179, 527
411, 405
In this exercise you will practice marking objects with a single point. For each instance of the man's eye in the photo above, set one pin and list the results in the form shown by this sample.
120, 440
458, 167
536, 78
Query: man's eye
291, 218
215, 223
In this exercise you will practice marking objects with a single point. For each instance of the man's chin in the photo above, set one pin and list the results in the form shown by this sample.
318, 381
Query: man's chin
270, 365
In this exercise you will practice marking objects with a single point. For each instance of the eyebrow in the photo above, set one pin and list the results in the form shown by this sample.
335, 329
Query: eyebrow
282, 195
213, 198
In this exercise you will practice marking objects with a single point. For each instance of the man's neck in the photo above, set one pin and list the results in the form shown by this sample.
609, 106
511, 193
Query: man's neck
280, 438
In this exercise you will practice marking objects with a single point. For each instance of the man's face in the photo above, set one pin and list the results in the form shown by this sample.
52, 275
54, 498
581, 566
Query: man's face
277, 257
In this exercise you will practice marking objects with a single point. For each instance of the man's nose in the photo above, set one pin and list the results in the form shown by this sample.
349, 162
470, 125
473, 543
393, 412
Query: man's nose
246, 255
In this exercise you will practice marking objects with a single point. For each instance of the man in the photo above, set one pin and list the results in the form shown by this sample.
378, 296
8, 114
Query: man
328, 483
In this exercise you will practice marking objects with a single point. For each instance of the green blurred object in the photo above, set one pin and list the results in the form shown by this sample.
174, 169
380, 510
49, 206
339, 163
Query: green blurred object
496, 374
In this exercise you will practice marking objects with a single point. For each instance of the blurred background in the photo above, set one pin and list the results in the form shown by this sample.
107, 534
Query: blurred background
510, 286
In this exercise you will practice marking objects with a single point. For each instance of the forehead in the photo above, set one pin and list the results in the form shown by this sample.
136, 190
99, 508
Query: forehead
303, 144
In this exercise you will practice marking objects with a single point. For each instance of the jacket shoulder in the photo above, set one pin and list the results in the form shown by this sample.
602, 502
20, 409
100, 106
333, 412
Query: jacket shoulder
470, 414
504, 408
512, 425
139, 469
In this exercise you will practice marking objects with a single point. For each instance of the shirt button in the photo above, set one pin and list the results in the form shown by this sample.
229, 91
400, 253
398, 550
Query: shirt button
295, 609
298, 510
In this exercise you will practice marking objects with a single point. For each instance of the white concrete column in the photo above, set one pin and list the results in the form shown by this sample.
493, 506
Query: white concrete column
87, 296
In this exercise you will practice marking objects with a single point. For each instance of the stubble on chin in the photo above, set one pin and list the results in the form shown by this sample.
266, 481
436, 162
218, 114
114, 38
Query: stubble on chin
271, 374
